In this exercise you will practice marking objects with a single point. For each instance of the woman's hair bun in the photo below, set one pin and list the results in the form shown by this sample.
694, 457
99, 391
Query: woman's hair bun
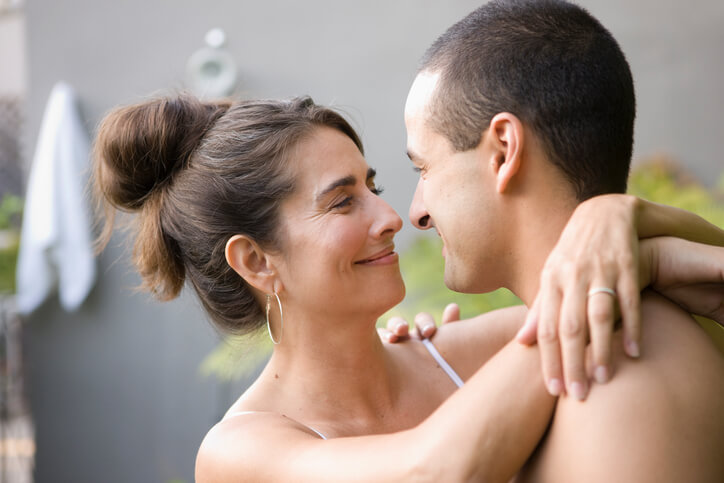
139, 147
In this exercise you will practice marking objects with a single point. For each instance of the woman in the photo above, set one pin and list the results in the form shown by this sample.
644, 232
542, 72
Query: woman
271, 212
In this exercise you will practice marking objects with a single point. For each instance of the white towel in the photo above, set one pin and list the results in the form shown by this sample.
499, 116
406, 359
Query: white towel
56, 238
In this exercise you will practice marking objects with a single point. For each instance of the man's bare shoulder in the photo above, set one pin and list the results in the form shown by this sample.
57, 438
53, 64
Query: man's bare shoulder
658, 419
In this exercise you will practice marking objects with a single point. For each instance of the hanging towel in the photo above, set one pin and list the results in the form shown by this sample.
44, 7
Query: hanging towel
56, 240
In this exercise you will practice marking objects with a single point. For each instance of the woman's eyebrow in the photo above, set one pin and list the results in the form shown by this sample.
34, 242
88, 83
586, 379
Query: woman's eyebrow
346, 181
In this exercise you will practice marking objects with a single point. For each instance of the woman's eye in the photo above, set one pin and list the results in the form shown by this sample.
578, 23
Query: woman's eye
344, 203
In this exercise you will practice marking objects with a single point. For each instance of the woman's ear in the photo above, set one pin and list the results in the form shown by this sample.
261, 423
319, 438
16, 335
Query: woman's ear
252, 263
506, 135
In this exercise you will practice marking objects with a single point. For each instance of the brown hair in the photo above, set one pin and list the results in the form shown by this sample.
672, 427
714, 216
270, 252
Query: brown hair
554, 66
198, 173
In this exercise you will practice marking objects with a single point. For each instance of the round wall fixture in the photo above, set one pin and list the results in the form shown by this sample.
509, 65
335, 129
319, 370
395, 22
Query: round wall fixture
211, 71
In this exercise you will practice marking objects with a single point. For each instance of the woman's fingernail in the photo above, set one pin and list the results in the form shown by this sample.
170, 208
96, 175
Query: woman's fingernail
601, 374
578, 391
633, 349
399, 326
427, 329
555, 387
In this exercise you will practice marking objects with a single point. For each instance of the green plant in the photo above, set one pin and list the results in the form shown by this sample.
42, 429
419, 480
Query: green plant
663, 181
422, 267
11, 208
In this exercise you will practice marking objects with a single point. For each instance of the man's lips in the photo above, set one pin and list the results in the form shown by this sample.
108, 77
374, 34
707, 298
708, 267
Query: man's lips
383, 255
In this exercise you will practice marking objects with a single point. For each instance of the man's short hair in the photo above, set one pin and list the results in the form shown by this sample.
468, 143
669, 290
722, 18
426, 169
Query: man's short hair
552, 65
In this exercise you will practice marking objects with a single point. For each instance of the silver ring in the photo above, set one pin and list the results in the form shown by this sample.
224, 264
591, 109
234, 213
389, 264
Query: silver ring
607, 290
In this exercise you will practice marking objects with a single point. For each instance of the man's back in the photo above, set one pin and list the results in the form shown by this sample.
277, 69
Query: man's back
661, 418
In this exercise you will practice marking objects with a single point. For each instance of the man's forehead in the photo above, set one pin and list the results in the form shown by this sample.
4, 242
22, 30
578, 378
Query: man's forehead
420, 94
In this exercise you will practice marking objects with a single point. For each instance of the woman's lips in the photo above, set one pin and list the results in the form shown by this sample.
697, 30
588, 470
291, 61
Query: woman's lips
382, 258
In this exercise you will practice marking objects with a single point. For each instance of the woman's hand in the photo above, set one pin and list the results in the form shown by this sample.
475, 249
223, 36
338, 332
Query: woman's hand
423, 326
597, 250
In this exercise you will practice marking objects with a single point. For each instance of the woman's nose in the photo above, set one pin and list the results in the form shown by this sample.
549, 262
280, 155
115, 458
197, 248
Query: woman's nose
387, 221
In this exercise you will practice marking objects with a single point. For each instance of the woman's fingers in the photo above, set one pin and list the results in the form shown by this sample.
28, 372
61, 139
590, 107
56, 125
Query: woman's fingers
629, 298
425, 325
573, 339
550, 301
397, 330
601, 309
451, 313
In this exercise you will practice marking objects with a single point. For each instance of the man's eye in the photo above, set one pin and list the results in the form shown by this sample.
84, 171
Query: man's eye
378, 190
417, 170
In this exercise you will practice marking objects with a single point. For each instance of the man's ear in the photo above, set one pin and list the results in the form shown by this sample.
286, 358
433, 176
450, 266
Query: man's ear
252, 263
506, 136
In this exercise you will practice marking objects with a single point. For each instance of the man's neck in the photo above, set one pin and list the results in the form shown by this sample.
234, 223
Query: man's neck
535, 238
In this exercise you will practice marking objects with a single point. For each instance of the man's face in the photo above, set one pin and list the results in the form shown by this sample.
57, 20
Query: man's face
455, 195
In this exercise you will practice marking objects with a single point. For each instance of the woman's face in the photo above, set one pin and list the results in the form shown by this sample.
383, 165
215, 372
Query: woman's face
337, 233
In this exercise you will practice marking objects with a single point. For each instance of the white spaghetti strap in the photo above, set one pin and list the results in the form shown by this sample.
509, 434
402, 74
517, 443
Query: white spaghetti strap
318, 433
240, 413
443, 363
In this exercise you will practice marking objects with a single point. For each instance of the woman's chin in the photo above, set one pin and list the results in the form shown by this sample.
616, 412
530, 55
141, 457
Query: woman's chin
394, 295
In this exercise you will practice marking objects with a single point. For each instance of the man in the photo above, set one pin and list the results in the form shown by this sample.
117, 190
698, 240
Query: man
519, 113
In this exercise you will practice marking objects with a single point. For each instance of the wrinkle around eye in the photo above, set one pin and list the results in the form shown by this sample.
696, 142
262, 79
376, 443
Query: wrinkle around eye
345, 203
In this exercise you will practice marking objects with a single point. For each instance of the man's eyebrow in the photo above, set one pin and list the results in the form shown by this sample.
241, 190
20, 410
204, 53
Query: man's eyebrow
346, 181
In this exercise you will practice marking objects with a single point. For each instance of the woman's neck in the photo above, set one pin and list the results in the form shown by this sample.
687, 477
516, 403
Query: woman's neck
339, 367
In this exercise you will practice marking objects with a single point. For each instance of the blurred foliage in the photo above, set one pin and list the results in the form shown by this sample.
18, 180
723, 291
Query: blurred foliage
422, 267
663, 181
8, 264
237, 357
11, 210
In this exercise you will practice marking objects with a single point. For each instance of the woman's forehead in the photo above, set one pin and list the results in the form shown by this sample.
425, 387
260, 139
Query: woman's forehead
325, 156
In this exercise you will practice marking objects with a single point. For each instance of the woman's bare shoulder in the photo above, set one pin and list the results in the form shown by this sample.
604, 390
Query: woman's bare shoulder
469, 343
237, 447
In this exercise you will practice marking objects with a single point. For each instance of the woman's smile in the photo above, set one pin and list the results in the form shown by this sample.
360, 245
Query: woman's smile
383, 257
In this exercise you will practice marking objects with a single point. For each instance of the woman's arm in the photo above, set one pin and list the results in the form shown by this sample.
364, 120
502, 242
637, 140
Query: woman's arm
654, 219
484, 432
687, 273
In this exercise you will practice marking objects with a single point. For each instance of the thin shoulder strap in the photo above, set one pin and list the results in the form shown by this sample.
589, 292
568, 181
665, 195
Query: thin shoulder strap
239, 413
443, 363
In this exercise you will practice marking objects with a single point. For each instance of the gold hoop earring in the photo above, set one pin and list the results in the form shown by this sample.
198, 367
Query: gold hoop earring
281, 315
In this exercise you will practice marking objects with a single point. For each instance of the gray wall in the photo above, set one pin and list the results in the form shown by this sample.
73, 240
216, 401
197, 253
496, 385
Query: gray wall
115, 389
12, 54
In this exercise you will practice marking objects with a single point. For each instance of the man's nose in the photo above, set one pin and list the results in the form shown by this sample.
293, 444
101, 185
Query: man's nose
418, 214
